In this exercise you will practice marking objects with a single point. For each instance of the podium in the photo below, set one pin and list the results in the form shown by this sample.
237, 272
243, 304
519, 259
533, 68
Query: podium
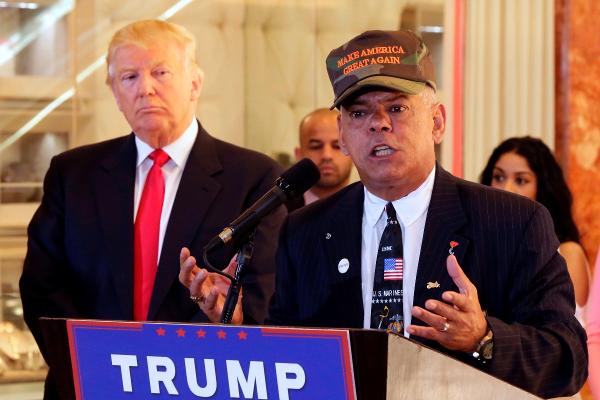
136, 360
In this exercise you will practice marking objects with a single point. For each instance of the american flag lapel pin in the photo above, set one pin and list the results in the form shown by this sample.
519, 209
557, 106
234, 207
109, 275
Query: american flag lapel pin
453, 244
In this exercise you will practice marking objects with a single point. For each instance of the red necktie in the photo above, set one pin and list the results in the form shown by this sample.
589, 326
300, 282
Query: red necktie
146, 234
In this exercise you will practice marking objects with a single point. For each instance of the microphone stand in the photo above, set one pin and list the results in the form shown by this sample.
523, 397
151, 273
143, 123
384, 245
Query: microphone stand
243, 258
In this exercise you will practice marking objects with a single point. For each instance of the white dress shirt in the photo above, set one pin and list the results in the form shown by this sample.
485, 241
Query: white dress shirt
309, 197
178, 152
411, 211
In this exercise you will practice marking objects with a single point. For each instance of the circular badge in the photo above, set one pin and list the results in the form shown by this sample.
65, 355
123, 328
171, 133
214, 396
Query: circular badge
343, 265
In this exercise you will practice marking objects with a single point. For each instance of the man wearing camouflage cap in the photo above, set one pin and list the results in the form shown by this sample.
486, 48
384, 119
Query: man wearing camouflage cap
479, 277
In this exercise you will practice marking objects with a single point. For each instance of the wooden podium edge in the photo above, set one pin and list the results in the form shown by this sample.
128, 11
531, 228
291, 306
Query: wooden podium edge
415, 371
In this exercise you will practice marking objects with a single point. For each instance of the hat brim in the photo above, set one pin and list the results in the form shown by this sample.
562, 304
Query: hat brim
382, 81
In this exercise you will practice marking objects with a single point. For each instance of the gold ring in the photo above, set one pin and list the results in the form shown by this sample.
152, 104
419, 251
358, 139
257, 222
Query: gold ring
198, 299
445, 327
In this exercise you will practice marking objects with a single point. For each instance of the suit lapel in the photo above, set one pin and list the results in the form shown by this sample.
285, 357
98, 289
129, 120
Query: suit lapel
114, 188
197, 190
445, 217
343, 241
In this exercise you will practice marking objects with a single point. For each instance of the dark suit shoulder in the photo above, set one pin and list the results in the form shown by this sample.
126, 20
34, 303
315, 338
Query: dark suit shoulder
230, 154
495, 204
320, 209
295, 204
95, 150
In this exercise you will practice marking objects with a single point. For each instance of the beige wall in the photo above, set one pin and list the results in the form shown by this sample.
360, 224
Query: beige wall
509, 76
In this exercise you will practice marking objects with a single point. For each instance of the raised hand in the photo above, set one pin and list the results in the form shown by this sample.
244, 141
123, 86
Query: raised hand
208, 289
457, 323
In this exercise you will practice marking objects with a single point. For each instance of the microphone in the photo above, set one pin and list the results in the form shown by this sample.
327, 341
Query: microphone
292, 183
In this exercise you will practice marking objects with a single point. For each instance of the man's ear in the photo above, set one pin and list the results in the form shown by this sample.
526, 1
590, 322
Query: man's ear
298, 154
197, 81
439, 123
112, 89
341, 142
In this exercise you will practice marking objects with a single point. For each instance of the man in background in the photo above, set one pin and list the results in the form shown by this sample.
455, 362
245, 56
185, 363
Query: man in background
106, 239
318, 141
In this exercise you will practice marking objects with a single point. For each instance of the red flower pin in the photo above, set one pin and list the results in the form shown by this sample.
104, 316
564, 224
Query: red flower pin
453, 244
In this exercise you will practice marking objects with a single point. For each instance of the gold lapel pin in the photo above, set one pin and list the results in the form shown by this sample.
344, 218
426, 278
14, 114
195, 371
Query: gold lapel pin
431, 285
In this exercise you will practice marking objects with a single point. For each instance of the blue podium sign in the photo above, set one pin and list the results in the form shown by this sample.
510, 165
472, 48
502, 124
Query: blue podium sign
130, 360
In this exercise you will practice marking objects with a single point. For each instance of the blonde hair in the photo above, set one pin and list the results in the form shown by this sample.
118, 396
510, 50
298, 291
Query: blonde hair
147, 33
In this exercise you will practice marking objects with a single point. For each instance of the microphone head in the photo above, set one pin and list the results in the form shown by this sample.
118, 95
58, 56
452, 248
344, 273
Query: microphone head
299, 178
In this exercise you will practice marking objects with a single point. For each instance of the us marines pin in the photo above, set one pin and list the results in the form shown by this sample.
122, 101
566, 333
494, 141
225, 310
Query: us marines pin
343, 265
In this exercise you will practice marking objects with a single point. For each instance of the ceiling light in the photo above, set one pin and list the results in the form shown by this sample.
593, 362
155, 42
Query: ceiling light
21, 5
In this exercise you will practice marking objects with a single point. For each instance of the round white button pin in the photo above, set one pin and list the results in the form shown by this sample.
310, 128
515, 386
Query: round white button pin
343, 265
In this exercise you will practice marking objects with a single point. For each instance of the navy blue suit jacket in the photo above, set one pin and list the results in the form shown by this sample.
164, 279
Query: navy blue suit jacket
79, 261
507, 248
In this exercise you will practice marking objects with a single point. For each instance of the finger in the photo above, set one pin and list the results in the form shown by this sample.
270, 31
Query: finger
426, 332
238, 305
186, 260
222, 284
211, 300
188, 265
183, 254
231, 266
431, 319
447, 311
189, 270
196, 285
458, 276
238, 315
459, 301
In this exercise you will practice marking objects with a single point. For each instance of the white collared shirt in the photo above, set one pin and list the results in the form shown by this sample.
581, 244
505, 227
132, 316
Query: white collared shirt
411, 211
178, 152
309, 197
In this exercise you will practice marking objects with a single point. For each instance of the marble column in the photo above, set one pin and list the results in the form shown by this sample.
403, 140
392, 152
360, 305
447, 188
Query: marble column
578, 111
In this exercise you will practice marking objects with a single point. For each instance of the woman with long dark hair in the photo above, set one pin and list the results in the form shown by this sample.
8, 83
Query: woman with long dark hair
526, 166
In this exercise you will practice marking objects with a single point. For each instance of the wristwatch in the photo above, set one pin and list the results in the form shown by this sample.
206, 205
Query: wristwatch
485, 349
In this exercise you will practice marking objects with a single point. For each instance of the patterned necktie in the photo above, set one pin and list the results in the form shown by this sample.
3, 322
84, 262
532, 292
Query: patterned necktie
386, 305
146, 236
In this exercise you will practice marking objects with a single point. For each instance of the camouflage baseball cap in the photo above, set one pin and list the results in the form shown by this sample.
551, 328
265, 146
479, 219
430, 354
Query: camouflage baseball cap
396, 60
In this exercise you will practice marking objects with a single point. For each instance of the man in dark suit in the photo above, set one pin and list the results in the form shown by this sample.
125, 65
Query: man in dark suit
86, 256
482, 279
478, 276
